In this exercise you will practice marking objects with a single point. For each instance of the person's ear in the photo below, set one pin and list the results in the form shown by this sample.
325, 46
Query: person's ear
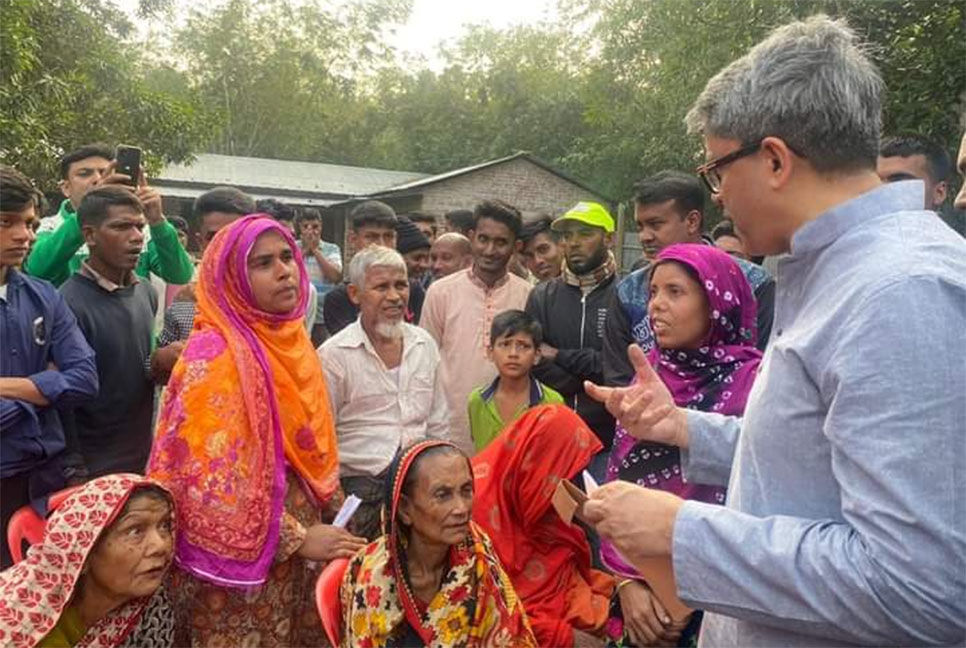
518, 246
779, 160
609, 240
63, 185
939, 193
405, 510
352, 291
87, 231
692, 222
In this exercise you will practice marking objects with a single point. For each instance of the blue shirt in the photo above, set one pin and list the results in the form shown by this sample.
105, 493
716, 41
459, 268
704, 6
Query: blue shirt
36, 329
845, 516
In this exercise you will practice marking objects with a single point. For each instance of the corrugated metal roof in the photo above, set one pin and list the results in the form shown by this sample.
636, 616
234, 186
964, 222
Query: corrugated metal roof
428, 180
211, 169
192, 192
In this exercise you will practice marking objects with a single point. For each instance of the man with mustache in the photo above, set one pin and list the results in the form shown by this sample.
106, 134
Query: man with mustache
572, 310
383, 381
668, 209
460, 308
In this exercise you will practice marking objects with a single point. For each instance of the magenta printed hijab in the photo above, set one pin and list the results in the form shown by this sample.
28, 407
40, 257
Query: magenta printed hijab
716, 377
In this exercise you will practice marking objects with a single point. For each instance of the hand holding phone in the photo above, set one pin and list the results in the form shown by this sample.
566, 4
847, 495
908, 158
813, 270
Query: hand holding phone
127, 161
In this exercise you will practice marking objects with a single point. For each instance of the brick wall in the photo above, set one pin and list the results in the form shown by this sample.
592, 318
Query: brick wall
525, 185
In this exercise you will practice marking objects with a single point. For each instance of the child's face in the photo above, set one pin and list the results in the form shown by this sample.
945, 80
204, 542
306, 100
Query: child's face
514, 355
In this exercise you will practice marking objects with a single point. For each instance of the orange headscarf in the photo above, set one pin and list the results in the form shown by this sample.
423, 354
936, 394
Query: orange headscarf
547, 561
246, 398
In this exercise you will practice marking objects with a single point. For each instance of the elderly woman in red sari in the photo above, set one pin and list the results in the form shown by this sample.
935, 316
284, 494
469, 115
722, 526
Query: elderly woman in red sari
95, 578
433, 578
548, 561
246, 444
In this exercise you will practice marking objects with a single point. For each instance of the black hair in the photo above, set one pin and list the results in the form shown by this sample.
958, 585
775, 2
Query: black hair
178, 223
17, 192
908, 144
460, 219
276, 209
501, 212
308, 214
94, 207
511, 322
533, 227
436, 451
372, 212
98, 149
422, 217
724, 228
684, 189
224, 199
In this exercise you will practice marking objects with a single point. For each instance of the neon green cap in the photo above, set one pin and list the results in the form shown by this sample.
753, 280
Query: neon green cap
588, 213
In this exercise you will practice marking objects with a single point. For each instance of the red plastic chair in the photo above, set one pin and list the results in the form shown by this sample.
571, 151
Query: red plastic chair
327, 599
27, 525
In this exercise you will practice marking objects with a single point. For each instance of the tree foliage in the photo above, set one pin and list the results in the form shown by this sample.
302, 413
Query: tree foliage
602, 92
69, 76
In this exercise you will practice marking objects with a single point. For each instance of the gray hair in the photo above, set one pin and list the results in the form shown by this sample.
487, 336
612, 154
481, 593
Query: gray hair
370, 257
810, 83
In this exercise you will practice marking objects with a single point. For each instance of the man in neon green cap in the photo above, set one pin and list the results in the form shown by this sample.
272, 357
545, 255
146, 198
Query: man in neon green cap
572, 310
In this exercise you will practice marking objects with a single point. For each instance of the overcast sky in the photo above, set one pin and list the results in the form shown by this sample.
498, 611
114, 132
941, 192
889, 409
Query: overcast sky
431, 21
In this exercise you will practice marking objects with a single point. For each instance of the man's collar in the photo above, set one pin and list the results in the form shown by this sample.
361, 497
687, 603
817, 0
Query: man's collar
904, 196
471, 272
102, 281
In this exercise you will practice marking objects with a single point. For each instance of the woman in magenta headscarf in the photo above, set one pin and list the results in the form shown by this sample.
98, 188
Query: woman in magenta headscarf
702, 311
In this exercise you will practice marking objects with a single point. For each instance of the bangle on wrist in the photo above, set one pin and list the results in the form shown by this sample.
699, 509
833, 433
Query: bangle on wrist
621, 584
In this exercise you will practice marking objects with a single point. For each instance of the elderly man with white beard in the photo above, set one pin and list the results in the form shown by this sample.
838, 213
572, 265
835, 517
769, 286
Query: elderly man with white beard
383, 381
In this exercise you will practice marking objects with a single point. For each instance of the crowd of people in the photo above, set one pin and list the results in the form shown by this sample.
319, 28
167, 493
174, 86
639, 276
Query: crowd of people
773, 408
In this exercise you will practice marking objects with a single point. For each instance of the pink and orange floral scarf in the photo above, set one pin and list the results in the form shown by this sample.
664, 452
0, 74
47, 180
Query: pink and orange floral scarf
246, 399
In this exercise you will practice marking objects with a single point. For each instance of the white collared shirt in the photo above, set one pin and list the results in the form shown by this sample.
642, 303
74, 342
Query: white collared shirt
375, 411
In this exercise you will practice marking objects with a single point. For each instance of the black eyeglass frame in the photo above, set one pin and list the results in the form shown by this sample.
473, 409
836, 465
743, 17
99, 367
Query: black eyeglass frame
708, 167
713, 165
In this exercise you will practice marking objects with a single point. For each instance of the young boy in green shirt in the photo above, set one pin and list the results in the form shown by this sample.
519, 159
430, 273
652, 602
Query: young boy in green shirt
515, 339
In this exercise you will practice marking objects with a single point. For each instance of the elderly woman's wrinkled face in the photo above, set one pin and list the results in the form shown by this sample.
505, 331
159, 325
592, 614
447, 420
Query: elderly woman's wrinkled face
441, 503
273, 274
134, 553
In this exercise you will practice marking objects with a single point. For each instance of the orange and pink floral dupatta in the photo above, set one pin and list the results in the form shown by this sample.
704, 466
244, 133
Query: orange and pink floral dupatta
246, 400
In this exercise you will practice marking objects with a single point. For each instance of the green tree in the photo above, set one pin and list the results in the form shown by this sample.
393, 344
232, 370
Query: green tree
70, 74
658, 54
283, 76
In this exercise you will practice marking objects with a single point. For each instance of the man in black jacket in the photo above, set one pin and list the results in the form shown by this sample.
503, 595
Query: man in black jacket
572, 310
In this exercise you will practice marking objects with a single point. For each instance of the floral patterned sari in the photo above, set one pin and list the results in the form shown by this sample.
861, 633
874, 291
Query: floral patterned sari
475, 605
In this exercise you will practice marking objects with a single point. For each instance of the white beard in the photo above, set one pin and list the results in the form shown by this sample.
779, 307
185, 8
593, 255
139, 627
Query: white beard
389, 330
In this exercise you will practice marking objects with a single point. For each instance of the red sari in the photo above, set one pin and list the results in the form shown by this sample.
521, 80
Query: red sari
548, 561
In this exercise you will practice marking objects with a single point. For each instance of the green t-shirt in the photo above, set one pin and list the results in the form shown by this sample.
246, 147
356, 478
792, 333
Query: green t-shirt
485, 421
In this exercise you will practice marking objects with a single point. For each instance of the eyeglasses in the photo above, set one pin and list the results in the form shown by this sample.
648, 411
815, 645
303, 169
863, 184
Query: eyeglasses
710, 171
